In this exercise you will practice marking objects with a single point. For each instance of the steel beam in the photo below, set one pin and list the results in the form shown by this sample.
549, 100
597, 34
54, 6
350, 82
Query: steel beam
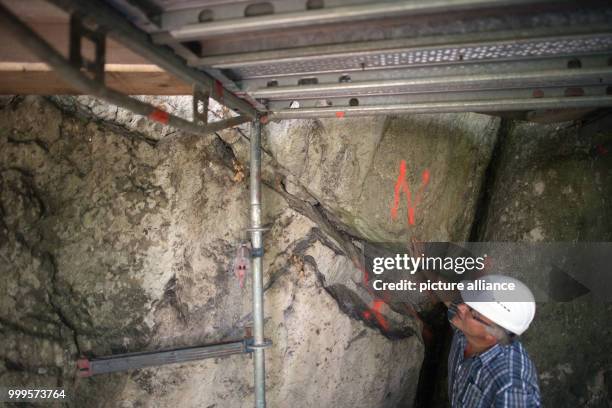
133, 361
451, 52
446, 107
181, 14
257, 252
376, 47
433, 97
123, 31
435, 71
335, 15
562, 15
82, 82
543, 79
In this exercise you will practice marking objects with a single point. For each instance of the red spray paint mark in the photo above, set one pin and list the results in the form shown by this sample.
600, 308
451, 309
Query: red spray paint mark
339, 114
160, 116
374, 310
402, 185
378, 304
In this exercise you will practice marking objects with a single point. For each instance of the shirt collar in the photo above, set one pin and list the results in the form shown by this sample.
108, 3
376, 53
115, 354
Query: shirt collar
484, 357
488, 356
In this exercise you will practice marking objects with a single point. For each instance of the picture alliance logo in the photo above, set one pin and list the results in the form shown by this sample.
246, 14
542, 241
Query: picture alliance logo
407, 263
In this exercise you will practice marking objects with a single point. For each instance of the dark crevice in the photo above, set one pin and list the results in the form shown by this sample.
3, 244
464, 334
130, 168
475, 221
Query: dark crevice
354, 307
331, 234
324, 239
295, 248
18, 366
320, 217
246, 138
224, 149
348, 301
431, 389
20, 328
34, 141
80, 112
359, 335
48, 263
172, 298
486, 189
26, 189
74, 166
22, 171
11, 102
58, 319
53, 293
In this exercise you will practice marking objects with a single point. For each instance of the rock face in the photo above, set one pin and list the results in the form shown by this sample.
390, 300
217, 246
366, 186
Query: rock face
352, 168
381, 179
95, 108
554, 183
113, 242
118, 236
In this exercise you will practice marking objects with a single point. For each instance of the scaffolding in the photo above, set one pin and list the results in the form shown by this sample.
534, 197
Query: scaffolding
287, 59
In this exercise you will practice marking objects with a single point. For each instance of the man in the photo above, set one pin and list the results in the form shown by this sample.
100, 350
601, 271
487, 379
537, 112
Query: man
487, 364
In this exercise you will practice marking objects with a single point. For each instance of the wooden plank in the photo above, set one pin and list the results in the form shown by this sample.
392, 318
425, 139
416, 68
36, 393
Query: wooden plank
39, 79
37, 10
52, 24
23, 73
56, 34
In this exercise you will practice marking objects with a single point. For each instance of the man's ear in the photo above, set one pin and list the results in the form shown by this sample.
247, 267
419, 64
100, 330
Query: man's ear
489, 338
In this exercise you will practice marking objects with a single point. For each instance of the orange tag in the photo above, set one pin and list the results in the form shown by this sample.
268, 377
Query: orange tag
339, 114
160, 116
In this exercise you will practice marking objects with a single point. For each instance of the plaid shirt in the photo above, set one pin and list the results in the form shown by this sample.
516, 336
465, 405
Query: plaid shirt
502, 376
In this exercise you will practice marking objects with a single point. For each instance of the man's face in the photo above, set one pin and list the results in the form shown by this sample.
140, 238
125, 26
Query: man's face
472, 324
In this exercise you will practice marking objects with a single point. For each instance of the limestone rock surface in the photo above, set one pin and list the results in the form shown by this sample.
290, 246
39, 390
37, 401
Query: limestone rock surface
114, 242
553, 183
352, 168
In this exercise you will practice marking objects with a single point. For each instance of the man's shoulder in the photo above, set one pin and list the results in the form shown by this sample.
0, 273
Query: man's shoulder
513, 368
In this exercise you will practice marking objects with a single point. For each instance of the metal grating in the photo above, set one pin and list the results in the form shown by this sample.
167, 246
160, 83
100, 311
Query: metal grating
258, 86
365, 56
437, 55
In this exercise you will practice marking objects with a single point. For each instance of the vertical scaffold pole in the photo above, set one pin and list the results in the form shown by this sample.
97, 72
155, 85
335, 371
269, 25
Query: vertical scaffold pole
256, 266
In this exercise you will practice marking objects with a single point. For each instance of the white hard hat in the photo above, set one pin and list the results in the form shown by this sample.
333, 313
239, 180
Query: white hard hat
513, 310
